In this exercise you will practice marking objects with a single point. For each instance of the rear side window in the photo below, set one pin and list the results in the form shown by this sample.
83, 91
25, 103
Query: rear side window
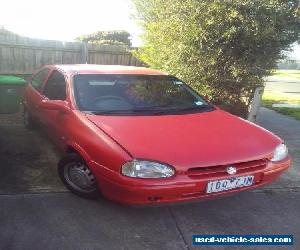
39, 78
55, 88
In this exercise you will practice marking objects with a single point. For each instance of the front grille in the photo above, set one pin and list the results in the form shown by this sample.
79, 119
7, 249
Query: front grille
220, 171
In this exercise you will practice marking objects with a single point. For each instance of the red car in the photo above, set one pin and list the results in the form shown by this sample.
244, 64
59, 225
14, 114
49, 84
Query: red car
140, 136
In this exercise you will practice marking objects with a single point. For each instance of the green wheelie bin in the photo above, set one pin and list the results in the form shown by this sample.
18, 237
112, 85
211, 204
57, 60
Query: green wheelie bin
11, 93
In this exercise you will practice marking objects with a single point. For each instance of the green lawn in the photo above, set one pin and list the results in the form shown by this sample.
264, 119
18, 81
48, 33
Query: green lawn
294, 112
271, 98
287, 73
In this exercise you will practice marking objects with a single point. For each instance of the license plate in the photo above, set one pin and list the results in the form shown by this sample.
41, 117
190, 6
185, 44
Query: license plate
227, 184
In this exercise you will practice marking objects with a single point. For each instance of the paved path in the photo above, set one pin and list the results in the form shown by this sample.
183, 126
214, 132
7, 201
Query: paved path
283, 86
63, 221
289, 130
27, 161
282, 79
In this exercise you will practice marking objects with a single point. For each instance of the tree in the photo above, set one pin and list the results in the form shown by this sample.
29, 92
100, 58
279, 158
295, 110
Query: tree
114, 37
222, 48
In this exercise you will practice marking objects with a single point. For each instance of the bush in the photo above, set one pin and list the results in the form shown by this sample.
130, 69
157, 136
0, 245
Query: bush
222, 48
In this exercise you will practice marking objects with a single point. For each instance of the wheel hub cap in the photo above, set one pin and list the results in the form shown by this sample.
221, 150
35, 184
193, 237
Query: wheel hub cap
80, 177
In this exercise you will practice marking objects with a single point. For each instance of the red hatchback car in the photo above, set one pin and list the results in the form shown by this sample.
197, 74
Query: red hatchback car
140, 136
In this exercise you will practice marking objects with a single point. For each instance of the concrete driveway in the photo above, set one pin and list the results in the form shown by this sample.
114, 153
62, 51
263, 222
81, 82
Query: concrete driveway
36, 211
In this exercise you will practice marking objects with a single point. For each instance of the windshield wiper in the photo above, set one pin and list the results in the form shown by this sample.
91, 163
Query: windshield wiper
150, 111
129, 111
193, 109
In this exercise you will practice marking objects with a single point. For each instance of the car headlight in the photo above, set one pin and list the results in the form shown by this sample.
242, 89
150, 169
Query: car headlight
280, 153
147, 169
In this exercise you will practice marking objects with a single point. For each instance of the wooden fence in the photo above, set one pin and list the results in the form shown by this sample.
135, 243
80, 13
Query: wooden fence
22, 55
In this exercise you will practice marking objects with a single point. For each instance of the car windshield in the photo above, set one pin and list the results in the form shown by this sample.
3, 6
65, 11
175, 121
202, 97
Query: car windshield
136, 94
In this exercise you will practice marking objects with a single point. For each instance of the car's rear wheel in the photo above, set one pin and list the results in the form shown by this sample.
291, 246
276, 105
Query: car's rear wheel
28, 121
77, 176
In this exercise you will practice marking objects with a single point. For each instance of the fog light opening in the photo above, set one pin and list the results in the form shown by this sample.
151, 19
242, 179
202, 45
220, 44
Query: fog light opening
154, 198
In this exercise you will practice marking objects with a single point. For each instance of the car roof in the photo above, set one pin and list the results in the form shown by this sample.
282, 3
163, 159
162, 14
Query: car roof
106, 69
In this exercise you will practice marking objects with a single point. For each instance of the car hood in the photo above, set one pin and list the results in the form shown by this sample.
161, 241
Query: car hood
189, 140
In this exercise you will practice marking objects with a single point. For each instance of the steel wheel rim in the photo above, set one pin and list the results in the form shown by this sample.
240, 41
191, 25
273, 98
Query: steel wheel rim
80, 177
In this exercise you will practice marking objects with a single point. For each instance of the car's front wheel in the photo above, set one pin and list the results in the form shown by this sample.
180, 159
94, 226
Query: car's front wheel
77, 176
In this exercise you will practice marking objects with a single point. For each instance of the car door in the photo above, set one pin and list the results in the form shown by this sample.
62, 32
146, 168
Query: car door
33, 96
53, 120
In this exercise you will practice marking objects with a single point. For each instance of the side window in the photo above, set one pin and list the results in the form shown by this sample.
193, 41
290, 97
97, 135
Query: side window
55, 88
39, 78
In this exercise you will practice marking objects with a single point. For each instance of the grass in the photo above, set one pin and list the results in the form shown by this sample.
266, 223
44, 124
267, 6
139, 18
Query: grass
294, 112
287, 73
270, 98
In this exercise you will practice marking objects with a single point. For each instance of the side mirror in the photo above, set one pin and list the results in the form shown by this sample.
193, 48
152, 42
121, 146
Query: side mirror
55, 105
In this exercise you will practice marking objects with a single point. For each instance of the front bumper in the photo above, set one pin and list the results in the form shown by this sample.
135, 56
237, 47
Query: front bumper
180, 188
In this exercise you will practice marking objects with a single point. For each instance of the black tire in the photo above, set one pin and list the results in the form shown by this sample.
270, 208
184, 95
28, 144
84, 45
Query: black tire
81, 174
28, 121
